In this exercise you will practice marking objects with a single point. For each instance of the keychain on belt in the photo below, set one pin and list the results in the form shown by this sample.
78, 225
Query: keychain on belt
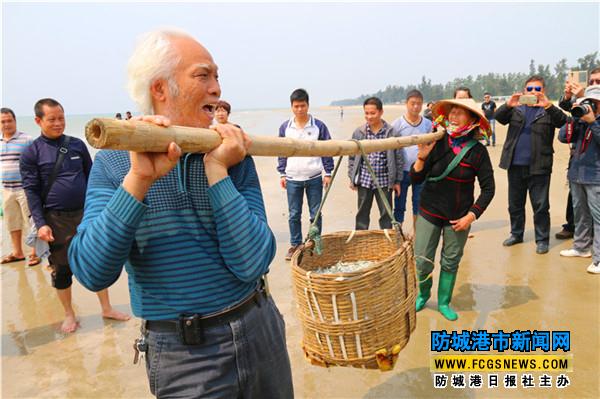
139, 347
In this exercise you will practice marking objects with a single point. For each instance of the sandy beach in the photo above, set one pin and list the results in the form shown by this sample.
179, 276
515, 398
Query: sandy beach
497, 288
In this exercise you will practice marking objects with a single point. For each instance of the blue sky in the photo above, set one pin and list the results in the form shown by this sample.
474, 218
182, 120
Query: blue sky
77, 52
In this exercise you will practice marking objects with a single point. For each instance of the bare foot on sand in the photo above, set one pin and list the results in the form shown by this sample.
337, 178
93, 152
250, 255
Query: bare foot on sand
69, 325
116, 315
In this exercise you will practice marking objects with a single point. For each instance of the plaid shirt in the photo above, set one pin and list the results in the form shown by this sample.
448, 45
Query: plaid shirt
378, 161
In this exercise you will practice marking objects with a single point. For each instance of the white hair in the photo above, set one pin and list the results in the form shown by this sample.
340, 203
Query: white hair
153, 58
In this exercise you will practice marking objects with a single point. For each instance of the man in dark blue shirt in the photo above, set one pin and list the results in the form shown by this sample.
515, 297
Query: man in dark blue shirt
527, 156
56, 199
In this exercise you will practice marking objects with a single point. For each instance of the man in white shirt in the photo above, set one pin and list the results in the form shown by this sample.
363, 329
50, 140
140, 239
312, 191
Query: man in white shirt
303, 174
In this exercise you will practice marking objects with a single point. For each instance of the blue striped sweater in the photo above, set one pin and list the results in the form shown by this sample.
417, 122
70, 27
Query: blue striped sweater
10, 154
188, 248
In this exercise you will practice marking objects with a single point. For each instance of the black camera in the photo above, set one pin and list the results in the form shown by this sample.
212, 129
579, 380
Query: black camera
583, 108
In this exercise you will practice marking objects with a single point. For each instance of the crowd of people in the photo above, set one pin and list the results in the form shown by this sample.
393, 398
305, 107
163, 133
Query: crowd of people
442, 174
191, 229
527, 155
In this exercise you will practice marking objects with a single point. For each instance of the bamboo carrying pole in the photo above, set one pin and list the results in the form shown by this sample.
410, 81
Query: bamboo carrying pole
138, 136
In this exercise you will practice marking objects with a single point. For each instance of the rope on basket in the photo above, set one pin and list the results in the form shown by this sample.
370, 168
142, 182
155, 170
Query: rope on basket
313, 232
388, 206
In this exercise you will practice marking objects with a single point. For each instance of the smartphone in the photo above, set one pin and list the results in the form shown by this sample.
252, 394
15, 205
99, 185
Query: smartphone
528, 99
579, 77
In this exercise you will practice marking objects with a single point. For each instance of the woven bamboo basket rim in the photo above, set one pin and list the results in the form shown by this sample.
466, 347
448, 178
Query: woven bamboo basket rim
363, 272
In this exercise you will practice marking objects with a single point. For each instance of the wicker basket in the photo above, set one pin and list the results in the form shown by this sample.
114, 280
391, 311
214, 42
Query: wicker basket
348, 317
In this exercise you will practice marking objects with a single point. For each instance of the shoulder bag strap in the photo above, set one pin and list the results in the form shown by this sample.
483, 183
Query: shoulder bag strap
459, 157
60, 157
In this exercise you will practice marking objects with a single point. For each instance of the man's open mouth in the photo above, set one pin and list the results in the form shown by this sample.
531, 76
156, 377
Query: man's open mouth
209, 109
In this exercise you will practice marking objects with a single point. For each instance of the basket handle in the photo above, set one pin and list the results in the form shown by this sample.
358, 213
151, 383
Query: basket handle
313, 231
350, 237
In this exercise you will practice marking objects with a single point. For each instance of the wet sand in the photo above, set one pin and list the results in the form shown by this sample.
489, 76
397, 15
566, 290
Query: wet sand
497, 288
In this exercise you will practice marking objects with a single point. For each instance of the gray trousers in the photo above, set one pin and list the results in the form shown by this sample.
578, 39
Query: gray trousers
586, 210
365, 202
427, 238
246, 358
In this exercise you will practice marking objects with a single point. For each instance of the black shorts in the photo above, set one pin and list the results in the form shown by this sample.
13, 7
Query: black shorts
64, 226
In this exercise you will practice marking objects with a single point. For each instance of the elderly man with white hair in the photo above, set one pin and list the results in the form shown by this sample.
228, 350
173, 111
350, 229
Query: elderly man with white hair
192, 233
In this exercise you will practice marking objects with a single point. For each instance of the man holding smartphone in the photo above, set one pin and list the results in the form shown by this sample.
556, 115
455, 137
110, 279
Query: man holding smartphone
527, 156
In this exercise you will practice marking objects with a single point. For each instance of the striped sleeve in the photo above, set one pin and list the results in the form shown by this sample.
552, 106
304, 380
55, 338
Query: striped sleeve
246, 242
104, 238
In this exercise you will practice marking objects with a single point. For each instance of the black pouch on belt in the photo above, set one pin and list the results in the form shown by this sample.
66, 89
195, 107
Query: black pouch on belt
190, 330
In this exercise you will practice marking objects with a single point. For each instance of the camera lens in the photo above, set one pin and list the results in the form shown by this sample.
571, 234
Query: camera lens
583, 108
579, 110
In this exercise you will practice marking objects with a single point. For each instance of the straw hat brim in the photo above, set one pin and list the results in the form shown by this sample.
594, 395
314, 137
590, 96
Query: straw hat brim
443, 107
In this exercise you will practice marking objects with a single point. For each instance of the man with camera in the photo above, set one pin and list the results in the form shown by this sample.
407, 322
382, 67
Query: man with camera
573, 91
583, 132
527, 156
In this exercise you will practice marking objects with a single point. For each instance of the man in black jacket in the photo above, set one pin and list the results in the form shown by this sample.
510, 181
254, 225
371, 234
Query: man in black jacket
527, 156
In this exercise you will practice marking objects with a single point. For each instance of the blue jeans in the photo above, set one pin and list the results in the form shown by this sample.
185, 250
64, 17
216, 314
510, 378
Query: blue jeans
295, 193
400, 202
245, 358
519, 183
586, 207
493, 128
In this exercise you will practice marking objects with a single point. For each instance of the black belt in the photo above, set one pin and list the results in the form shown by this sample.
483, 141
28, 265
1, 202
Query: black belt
211, 320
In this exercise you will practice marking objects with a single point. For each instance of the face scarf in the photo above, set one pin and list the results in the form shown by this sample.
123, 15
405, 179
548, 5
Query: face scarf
457, 136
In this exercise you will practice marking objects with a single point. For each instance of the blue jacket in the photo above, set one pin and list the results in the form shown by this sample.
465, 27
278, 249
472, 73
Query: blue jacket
585, 162
68, 191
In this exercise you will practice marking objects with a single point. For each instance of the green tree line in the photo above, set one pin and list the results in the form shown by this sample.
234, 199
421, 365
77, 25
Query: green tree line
498, 84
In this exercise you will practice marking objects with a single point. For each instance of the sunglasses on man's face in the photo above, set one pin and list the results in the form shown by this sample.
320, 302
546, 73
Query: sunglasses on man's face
594, 82
532, 88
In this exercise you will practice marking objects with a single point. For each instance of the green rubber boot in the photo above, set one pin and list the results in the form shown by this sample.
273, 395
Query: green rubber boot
425, 284
445, 288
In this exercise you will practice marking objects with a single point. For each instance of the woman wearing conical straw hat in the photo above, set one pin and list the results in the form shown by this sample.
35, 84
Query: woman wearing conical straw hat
449, 168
